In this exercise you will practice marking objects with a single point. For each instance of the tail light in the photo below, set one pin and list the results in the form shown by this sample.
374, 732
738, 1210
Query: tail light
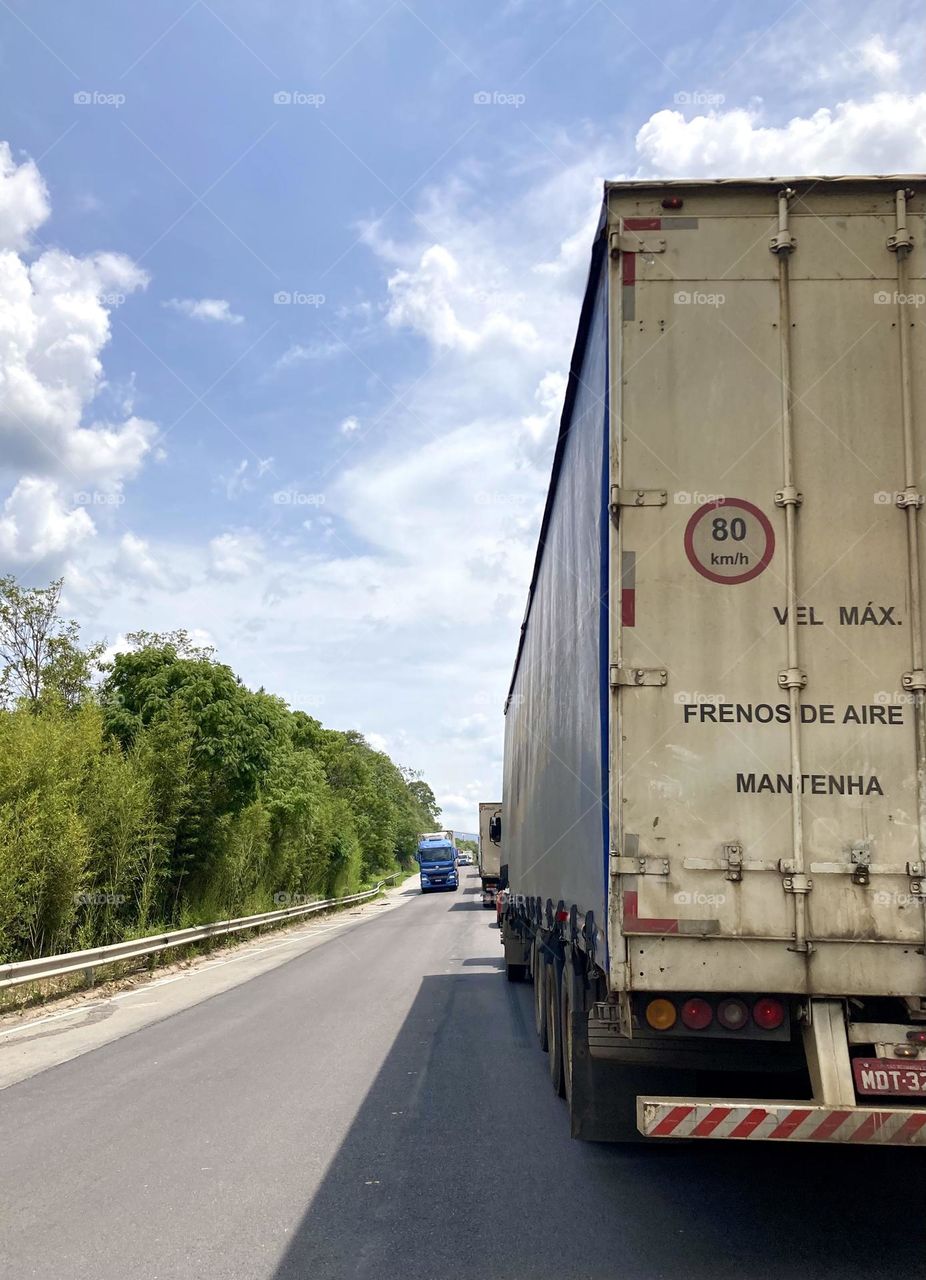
661, 1014
768, 1013
732, 1014
697, 1014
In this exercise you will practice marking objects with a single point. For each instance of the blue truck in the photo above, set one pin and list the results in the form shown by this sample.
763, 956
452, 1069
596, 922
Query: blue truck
437, 860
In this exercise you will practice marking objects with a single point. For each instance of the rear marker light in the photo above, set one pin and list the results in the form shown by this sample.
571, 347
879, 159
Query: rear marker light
661, 1014
768, 1013
697, 1014
916, 1037
906, 1051
732, 1014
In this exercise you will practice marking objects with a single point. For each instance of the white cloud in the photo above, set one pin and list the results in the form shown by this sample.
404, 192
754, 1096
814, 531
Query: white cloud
54, 323
885, 134
349, 426
235, 555
876, 56
36, 523
24, 202
299, 352
450, 308
217, 310
135, 561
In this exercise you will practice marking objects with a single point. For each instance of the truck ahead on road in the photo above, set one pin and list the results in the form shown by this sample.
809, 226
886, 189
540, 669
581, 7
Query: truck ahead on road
437, 861
715, 735
490, 849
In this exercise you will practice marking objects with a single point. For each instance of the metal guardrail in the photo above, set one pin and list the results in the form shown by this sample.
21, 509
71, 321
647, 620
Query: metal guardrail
12, 975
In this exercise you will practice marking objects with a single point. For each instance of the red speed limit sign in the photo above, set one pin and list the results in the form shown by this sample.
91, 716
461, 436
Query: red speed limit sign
729, 540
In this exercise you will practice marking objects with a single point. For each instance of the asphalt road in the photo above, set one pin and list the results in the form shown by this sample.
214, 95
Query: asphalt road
377, 1107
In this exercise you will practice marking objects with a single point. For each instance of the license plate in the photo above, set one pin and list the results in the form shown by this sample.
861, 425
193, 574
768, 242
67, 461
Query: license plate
889, 1075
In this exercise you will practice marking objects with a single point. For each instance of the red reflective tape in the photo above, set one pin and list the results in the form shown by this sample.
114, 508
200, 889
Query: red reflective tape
643, 224
628, 268
910, 1128
628, 607
791, 1122
704, 1128
870, 1126
748, 1123
645, 924
826, 1128
669, 1123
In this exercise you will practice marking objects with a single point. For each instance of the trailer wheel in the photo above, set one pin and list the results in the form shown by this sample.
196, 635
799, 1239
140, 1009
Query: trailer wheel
539, 968
568, 1029
555, 1026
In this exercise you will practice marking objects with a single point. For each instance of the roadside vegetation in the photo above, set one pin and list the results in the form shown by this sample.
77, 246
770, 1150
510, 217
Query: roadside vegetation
157, 791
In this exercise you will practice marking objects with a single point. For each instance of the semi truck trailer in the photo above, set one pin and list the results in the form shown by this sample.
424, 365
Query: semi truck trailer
715, 739
490, 849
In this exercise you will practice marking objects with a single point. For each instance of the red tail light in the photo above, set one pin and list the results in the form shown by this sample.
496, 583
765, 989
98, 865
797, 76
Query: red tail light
768, 1013
697, 1014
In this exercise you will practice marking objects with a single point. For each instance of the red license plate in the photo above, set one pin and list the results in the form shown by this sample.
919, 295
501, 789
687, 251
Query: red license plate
890, 1075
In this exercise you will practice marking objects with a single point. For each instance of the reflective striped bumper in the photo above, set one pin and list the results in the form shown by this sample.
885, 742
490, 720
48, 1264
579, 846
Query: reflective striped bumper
780, 1121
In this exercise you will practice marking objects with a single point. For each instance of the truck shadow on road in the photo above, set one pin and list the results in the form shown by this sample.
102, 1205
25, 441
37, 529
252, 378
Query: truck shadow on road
459, 1165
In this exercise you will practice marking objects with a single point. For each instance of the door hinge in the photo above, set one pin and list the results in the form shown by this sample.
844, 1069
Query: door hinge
641, 866
637, 498
860, 857
914, 681
733, 854
635, 677
635, 242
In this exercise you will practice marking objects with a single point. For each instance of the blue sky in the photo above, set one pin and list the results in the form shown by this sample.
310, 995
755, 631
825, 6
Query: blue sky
342, 491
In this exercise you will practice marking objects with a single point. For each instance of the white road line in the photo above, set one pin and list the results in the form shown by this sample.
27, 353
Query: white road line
163, 982
54, 1017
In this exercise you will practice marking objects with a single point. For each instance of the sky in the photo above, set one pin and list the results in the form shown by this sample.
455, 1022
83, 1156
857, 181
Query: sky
288, 291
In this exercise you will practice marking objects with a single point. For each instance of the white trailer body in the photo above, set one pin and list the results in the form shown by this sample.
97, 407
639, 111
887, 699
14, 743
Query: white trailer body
715, 761
490, 849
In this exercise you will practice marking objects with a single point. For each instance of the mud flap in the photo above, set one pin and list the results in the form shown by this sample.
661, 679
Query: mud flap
604, 1094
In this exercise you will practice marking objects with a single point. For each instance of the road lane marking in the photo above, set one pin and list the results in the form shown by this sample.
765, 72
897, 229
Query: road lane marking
163, 982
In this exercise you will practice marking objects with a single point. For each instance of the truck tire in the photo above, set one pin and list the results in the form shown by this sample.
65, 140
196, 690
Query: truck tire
571, 1023
555, 1025
539, 967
